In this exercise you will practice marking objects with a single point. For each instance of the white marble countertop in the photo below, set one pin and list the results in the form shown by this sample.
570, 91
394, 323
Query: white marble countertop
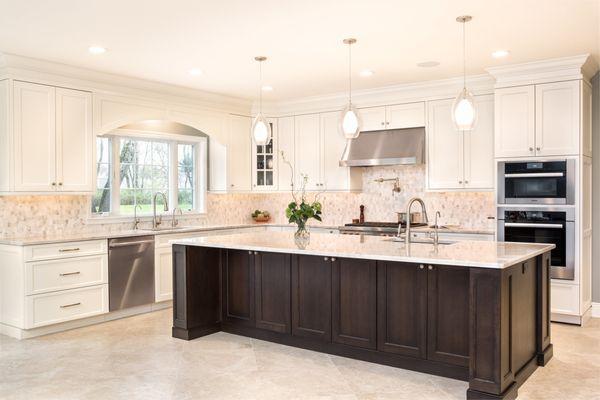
465, 253
31, 240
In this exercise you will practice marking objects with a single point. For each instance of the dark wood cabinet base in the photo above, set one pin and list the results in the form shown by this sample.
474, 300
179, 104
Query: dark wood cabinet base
489, 327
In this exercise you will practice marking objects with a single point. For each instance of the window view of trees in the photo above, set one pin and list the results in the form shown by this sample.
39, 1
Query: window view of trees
144, 169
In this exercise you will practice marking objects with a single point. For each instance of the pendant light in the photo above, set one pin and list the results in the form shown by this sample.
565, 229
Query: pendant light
464, 113
350, 121
261, 129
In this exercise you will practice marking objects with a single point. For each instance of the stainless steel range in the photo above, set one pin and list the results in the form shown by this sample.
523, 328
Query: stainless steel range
375, 228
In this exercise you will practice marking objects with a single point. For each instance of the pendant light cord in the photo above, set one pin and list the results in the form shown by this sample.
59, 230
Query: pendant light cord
464, 56
260, 87
350, 73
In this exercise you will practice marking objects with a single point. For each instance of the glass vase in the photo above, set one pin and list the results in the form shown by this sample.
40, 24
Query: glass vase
302, 235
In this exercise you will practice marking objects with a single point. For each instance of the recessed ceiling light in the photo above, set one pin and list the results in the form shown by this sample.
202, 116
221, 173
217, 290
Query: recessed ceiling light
500, 53
267, 88
428, 64
96, 50
195, 72
366, 72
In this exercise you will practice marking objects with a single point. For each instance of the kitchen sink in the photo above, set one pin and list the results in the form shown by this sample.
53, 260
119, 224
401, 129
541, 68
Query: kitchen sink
421, 241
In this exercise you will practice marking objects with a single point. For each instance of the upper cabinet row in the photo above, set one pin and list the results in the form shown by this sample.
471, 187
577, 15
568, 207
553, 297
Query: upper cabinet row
393, 117
47, 145
550, 119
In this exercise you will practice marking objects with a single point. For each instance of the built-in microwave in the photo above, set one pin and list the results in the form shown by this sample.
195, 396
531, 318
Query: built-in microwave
543, 225
537, 182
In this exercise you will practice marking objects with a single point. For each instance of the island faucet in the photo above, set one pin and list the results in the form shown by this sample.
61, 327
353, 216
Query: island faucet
408, 207
157, 219
436, 233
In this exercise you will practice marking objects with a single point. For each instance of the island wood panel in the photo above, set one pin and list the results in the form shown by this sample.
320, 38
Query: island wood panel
311, 297
272, 291
238, 287
197, 290
543, 346
448, 314
402, 308
354, 302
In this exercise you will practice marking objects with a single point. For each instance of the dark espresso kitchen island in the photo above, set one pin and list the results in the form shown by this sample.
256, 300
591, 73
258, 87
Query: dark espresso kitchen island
475, 311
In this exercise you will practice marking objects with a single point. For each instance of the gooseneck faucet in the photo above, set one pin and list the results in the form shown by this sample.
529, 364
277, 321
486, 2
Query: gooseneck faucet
408, 207
157, 220
174, 221
136, 220
436, 233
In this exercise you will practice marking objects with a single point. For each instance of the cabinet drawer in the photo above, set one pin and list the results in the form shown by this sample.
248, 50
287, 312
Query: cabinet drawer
64, 250
68, 273
564, 299
66, 305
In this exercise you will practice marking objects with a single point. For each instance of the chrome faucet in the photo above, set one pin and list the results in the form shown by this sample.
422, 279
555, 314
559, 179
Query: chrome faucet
436, 234
157, 219
408, 207
174, 221
136, 220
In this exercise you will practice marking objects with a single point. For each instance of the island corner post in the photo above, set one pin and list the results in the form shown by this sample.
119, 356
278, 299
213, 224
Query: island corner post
505, 339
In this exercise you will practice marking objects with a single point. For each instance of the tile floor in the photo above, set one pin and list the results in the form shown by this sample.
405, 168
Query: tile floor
136, 358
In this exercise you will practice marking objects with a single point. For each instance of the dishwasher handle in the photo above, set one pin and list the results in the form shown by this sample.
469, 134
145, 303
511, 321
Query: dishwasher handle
127, 244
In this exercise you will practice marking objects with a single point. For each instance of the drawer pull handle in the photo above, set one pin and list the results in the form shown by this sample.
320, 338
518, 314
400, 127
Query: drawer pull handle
68, 250
70, 305
70, 273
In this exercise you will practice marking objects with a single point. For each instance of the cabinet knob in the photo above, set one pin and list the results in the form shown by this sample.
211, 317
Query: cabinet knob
467, 182
53, 183
387, 123
256, 253
531, 149
60, 184
382, 123
460, 182
332, 258
249, 252
430, 267
326, 258
538, 148
421, 266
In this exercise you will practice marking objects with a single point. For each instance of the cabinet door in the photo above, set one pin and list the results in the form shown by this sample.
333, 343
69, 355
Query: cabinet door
264, 160
333, 144
34, 137
285, 145
311, 297
557, 118
354, 302
445, 149
405, 116
238, 287
307, 150
163, 274
479, 147
448, 314
272, 291
74, 140
515, 121
239, 153
373, 118
402, 309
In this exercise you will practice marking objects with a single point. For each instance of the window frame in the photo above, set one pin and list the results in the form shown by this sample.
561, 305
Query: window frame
200, 144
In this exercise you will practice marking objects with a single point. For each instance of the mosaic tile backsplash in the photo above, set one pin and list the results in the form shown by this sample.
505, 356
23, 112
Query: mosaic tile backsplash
47, 215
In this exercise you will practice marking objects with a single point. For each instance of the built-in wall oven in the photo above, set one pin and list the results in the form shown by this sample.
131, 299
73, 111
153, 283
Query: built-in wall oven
543, 225
537, 182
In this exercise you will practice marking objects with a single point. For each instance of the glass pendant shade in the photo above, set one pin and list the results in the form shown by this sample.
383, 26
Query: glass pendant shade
261, 130
464, 113
350, 122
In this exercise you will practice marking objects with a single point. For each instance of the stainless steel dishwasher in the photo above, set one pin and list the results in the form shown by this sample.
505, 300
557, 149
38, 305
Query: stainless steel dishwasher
130, 272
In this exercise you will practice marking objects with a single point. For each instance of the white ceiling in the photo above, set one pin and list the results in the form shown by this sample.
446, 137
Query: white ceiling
162, 40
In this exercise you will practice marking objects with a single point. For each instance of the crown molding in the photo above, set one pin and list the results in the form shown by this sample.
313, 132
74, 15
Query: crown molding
57, 74
558, 69
386, 95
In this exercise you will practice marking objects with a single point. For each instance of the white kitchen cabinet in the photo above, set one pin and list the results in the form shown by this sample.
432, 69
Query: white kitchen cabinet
557, 118
307, 153
53, 139
285, 145
398, 116
333, 143
163, 273
515, 121
239, 153
74, 140
460, 160
479, 147
264, 162
34, 137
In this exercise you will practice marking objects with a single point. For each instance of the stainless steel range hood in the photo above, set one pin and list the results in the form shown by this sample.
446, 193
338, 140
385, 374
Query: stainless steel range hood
389, 147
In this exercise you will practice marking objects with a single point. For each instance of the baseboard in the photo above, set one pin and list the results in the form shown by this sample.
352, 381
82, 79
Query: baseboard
18, 333
595, 310
566, 318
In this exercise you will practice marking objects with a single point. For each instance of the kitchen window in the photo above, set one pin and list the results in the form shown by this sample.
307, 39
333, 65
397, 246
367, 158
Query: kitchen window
130, 170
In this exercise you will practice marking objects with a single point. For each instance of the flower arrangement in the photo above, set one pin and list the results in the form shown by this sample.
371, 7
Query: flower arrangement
300, 210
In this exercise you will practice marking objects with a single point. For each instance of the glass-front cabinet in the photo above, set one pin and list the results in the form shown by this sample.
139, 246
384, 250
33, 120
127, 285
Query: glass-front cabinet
264, 161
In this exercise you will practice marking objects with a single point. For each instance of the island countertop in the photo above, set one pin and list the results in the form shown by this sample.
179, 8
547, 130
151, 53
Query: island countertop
478, 254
